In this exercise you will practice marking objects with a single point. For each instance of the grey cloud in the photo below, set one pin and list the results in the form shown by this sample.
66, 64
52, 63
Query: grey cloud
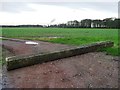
119, 9
103, 6
23, 6
15, 7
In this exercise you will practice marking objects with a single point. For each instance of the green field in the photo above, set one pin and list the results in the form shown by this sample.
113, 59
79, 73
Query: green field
71, 36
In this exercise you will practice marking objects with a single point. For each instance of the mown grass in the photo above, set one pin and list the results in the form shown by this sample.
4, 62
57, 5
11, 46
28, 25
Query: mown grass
71, 36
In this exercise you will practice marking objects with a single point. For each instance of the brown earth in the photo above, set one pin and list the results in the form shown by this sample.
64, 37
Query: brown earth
95, 70
91, 70
20, 48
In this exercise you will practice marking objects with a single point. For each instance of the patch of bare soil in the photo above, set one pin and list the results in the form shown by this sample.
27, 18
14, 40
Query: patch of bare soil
91, 70
20, 48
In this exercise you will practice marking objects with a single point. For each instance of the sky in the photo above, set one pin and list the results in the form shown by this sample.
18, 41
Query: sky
44, 12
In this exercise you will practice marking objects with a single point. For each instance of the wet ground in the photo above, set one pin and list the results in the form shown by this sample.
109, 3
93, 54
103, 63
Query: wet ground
20, 48
91, 70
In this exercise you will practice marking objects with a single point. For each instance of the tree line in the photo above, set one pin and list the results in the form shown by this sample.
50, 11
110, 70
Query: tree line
85, 23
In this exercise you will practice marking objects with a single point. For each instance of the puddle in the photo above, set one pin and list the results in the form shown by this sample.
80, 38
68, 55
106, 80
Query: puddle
31, 43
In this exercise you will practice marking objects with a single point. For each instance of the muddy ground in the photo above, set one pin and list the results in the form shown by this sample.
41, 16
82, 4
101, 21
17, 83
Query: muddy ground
20, 48
91, 70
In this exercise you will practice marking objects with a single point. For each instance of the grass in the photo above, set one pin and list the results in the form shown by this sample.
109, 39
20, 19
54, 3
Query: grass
71, 36
2, 58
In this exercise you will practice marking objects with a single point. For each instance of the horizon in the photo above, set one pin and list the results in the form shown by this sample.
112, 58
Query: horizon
55, 23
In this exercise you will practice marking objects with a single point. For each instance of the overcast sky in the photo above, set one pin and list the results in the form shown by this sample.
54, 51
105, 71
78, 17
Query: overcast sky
39, 12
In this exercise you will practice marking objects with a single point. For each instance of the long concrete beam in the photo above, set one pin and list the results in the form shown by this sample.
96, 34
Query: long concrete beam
23, 61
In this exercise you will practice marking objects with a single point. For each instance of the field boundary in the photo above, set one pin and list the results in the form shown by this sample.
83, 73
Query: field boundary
16, 40
23, 61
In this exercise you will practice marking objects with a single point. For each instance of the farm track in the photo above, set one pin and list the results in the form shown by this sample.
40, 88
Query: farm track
93, 70
18, 47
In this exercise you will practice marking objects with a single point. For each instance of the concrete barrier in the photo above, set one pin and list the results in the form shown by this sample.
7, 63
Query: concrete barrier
23, 61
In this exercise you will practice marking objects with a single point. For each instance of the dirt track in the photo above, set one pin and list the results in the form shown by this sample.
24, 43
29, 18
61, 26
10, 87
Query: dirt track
20, 48
95, 70
89, 70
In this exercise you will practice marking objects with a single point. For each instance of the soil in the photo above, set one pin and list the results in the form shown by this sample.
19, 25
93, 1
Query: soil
20, 48
91, 70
